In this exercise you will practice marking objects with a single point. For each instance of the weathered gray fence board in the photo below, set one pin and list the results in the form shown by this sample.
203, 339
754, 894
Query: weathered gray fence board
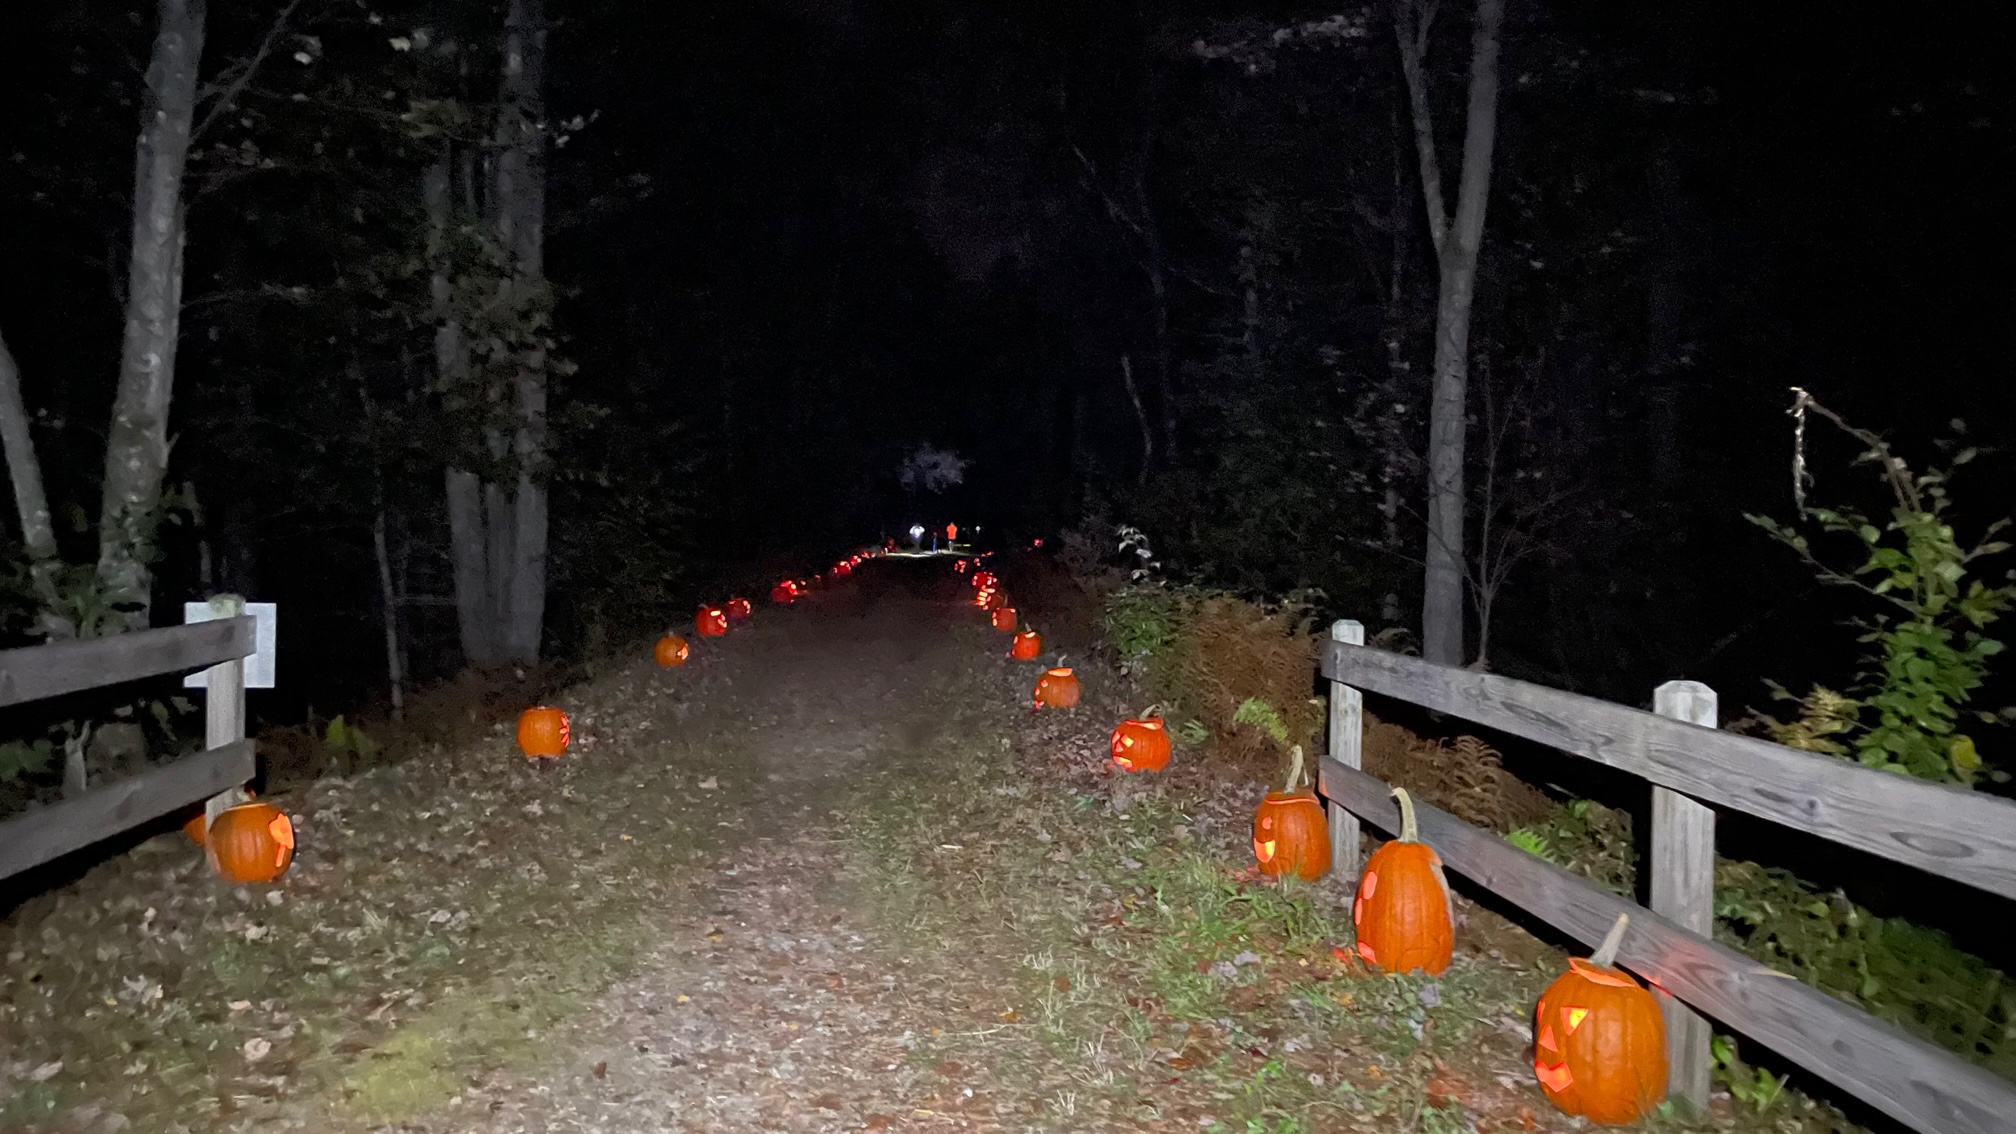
1906, 1078
48, 833
34, 672
1949, 831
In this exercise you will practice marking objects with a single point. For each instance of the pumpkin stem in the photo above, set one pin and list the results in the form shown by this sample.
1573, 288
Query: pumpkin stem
1295, 770
1606, 953
1409, 833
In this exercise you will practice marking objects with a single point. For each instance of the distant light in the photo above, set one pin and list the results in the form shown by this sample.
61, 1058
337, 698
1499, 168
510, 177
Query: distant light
916, 531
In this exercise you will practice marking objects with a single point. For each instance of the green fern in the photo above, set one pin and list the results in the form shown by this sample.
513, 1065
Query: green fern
1263, 716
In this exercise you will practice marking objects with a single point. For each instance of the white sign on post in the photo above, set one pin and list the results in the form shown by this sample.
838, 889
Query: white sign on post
259, 666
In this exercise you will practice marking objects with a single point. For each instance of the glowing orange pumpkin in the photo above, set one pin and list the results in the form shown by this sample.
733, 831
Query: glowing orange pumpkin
784, 594
1027, 645
959, 567
842, 569
739, 609
1141, 744
542, 732
1004, 619
711, 621
670, 651
1057, 689
1599, 1041
1290, 835
1403, 913
252, 842
996, 600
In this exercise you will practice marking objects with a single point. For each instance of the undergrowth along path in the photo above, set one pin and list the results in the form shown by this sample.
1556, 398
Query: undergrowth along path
831, 876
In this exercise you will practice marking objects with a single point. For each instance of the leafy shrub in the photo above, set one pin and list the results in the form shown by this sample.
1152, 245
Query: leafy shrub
1927, 653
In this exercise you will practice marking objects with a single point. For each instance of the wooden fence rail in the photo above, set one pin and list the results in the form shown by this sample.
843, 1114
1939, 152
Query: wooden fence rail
1948, 831
36, 672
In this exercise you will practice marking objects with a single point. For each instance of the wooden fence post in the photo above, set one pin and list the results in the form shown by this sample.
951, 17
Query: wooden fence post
1347, 730
1683, 890
224, 705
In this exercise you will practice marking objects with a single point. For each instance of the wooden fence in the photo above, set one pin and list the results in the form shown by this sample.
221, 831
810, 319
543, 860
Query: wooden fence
1948, 831
38, 672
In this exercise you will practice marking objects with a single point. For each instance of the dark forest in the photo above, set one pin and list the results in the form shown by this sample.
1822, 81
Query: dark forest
1592, 345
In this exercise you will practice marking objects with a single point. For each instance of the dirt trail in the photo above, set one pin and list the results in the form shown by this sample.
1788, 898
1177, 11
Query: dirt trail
765, 1004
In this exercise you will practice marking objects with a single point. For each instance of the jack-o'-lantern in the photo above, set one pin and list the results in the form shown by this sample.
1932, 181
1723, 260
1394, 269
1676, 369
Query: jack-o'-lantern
784, 593
711, 621
842, 569
1599, 1041
739, 609
1057, 689
1004, 619
252, 842
1141, 744
1290, 835
542, 732
1403, 913
959, 567
670, 651
996, 600
1026, 646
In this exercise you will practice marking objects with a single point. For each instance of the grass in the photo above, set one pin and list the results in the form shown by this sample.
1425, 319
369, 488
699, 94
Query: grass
1141, 979
427, 933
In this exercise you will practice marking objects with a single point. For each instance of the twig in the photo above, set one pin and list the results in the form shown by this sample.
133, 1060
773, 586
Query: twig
247, 68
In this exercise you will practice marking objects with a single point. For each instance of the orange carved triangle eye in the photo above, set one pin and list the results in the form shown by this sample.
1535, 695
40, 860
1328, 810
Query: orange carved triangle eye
1126, 742
1555, 1077
1572, 1017
1371, 884
1546, 1041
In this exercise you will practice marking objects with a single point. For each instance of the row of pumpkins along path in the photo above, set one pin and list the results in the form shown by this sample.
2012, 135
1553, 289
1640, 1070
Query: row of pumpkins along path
252, 841
1599, 1036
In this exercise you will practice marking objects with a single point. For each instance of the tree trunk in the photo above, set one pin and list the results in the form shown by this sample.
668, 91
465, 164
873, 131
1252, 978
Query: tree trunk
31, 503
521, 214
1457, 247
136, 446
462, 490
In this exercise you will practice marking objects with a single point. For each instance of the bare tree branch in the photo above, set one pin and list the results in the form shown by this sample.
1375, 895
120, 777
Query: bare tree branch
225, 91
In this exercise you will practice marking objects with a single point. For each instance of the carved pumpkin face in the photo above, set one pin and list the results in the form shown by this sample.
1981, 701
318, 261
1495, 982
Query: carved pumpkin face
1290, 835
711, 621
996, 600
252, 842
784, 593
1599, 1042
670, 651
1141, 745
843, 569
960, 567
1057, 689
542, 732
1027, 645
1004, 619
1403, 913
739, 609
